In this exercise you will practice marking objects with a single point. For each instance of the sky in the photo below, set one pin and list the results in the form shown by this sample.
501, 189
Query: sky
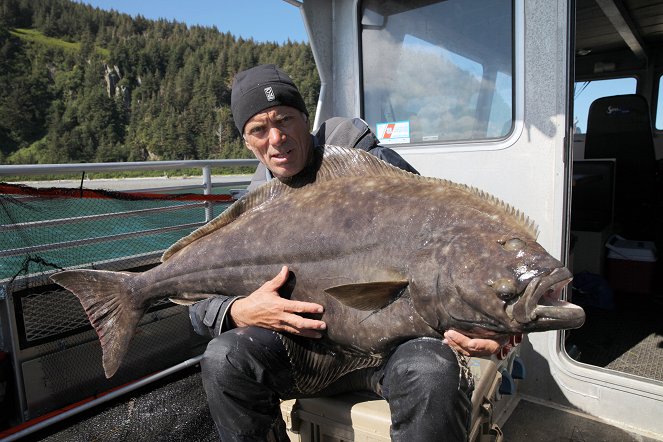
262, 20
586, 93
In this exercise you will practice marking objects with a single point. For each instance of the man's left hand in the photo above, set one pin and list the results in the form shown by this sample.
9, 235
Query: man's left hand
473, 346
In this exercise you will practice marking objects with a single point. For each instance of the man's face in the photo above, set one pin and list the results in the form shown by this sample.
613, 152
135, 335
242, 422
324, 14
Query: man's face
279, 138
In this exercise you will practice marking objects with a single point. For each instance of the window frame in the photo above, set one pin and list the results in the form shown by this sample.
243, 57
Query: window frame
518, 105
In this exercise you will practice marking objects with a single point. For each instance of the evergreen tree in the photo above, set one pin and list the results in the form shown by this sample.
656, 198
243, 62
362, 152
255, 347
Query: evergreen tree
131, 89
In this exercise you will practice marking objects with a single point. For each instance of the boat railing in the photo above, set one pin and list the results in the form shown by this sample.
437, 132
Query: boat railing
206, 184
39, 327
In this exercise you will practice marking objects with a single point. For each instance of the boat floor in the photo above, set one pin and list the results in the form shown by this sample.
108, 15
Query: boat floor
172, 409
532, 421
175, 409
627, 338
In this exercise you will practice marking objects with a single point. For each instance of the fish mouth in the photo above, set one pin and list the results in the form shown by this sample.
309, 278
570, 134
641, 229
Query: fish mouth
540, 306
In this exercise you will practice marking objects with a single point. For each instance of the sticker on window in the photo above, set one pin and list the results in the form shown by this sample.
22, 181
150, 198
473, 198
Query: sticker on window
394, 132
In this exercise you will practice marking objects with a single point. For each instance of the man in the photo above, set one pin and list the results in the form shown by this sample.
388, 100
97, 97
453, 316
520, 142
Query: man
246, 369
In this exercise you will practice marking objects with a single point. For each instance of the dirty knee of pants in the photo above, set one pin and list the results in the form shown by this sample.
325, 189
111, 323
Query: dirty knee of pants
428, 394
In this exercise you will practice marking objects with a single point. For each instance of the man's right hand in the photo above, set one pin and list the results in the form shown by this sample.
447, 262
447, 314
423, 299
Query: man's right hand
267, 309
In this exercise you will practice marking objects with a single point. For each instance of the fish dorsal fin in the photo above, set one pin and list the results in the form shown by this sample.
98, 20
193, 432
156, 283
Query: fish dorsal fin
330, 162
368, 296
341, 162
250, 201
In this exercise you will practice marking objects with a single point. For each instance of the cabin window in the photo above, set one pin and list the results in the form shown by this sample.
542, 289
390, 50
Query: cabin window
588, 91
438, 71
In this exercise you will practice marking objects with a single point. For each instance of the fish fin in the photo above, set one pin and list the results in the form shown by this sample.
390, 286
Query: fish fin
190, 298
316, 364
368, 296
333, 162
180, 301
105, 297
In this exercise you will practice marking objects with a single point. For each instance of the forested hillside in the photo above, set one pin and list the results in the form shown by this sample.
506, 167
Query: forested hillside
78, 84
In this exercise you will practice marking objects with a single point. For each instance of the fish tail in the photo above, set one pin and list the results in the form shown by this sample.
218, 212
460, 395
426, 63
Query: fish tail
106, 299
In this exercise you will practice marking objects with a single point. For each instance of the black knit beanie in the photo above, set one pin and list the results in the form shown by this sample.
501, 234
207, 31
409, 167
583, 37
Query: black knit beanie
259, 88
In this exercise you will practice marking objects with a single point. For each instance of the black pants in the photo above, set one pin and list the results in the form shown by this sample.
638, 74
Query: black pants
246, 372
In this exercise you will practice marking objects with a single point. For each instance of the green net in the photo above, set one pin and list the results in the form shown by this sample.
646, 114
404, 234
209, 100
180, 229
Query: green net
43, 327
42, 229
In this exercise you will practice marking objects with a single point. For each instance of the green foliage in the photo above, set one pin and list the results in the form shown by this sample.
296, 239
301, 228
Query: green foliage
78, 84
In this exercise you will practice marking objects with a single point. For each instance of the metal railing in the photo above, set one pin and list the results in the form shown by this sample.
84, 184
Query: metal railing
45, 169
9, 330
206, 184
205, 165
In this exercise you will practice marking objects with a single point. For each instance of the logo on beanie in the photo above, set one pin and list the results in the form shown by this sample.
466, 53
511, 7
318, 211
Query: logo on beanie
269, 93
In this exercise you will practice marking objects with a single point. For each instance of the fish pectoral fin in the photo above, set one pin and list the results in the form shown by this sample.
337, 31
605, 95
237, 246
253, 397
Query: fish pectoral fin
180, 301
190, 298
368, 295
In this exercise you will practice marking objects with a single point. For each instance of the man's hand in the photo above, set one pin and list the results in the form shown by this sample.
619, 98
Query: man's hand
265, 308
472, 346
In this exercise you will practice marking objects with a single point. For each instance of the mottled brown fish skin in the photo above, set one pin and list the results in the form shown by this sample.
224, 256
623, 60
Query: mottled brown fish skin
390, 255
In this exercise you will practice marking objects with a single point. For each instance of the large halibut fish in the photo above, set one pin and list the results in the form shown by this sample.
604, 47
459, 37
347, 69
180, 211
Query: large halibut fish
390, 255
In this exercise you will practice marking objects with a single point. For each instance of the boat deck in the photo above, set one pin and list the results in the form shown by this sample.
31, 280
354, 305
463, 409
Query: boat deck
175, 409
627, 338
532, 421
172, 409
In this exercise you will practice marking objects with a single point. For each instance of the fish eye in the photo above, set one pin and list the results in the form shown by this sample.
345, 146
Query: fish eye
513, 245
505, 288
